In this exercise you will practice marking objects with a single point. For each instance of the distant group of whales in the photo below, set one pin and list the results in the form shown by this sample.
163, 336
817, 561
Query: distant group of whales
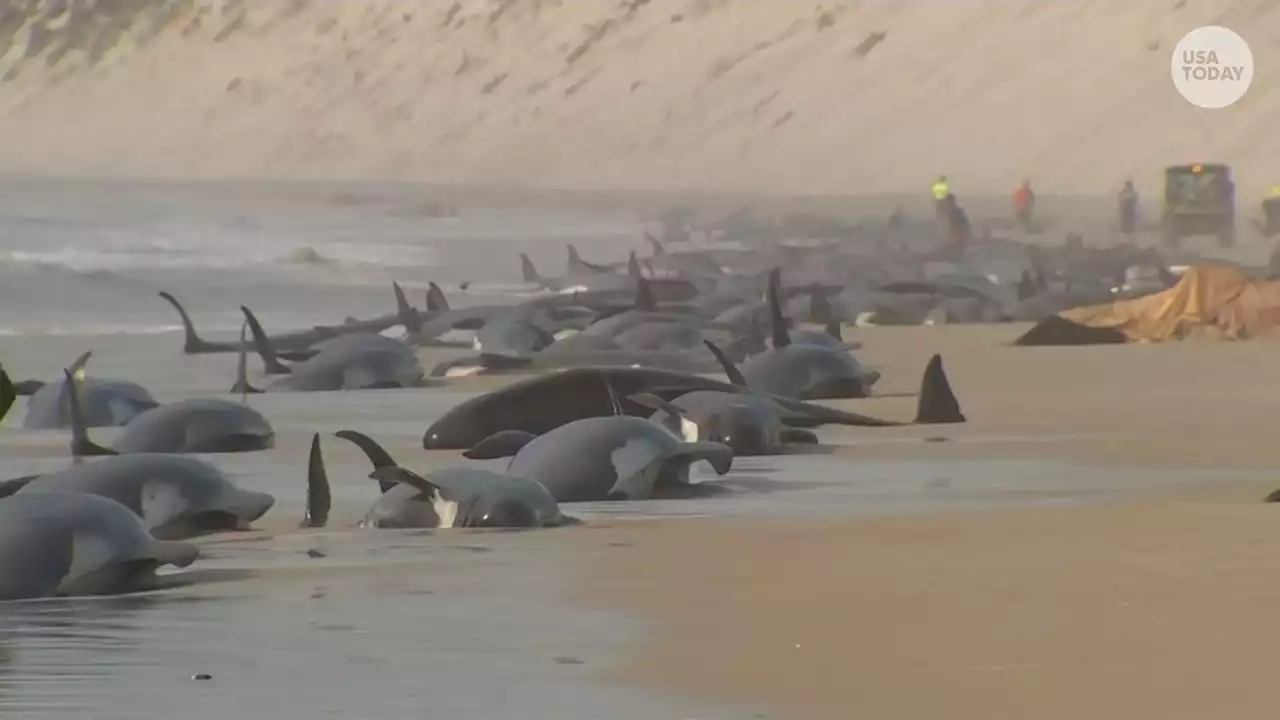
597, 431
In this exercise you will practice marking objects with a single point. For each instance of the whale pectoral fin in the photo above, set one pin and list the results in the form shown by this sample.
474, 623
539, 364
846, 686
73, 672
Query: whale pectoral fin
1273, 497
797, 436
9, 487
499, 445
378, 456
319, 494
638, 485
718, 455
406, 477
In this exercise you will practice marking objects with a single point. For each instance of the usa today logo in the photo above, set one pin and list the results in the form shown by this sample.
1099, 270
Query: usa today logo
1212, 67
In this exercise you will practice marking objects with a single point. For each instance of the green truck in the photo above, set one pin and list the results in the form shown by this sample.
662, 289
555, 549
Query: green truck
1198, 200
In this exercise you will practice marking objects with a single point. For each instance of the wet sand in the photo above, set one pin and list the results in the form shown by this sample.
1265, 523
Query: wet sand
1158, 605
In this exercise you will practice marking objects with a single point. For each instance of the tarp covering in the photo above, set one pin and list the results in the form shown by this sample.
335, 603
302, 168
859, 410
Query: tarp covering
1209, 301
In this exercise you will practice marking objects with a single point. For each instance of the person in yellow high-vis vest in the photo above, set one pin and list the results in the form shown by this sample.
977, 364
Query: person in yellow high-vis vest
941, 193
941, 189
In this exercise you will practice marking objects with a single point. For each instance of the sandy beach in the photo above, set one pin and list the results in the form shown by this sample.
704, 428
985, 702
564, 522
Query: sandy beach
777, 98
1158, 607
1091, 543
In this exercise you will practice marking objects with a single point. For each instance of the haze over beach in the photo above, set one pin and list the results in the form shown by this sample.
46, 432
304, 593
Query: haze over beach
1001, 531
781, 98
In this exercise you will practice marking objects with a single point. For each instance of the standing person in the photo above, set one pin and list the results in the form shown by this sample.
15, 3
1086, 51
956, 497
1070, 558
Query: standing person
941, 191
1271, 212
1024, 204
1128, 205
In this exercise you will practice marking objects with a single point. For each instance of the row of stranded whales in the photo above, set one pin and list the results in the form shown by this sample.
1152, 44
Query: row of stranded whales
542, 403
601, 432
300, 340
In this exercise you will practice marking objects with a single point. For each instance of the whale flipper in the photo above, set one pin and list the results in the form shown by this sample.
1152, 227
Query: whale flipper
378, 456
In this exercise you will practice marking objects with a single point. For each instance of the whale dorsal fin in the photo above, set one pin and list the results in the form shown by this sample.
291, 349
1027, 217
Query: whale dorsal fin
658, 249
937, 403
242, 368
81, 445
778, 323
731, 371
262, 344
436, 300
192, 344
406, 313
319, 496
8, 393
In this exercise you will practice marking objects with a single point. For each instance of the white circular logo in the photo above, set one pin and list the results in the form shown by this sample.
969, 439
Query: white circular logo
1212, 67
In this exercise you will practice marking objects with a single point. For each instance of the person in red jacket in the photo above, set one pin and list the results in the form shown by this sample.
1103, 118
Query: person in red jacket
1024, 203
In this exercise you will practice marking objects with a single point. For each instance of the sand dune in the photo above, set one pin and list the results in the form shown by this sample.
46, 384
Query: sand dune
776, 97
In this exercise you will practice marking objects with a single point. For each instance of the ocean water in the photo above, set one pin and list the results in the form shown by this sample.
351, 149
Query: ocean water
346, 623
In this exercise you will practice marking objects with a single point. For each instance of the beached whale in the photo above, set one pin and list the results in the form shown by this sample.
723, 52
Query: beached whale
448, 498
72, 543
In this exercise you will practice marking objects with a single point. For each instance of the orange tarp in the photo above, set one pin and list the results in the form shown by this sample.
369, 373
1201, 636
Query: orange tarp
1209, 300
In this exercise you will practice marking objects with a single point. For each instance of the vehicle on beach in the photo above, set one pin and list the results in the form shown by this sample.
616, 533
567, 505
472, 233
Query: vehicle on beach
1198, 200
